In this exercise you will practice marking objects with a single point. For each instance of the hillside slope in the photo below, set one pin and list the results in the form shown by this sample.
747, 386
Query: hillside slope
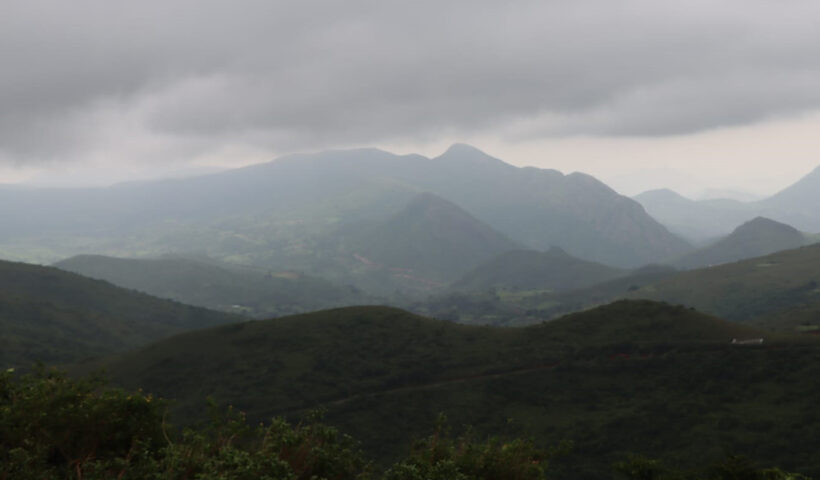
54, 316
749, 290
430, 238
217, 286
573, 379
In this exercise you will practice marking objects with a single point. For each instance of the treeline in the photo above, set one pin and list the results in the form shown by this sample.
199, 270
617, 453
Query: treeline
55, 427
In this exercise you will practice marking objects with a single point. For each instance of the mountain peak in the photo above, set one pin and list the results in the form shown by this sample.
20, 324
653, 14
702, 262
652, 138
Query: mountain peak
462, 148
461, 152
759, 224
755, 238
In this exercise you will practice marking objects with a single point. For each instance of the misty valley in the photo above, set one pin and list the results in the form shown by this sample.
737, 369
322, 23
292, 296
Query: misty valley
357, 314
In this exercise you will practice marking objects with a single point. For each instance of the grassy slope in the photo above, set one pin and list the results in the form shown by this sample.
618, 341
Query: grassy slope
749, 290
54, 316
631, 376
215, 286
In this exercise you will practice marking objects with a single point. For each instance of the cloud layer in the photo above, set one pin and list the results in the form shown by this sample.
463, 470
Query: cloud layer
165, 81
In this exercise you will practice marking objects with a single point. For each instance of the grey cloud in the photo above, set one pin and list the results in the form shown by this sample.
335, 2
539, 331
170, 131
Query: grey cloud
305, 75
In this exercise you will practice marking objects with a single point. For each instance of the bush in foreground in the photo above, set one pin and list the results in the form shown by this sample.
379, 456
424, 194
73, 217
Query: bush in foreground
53, 427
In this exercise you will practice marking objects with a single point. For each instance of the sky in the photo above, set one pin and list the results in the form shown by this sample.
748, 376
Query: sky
705, 97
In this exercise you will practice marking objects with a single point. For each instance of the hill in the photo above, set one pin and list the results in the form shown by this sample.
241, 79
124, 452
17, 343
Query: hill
779, 291
749, 290
631, 376
54, 316
755, 238
431, 238
217, 286
553, 270
279, 215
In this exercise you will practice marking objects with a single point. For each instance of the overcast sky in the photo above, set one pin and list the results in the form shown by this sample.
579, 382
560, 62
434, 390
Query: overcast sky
642, 94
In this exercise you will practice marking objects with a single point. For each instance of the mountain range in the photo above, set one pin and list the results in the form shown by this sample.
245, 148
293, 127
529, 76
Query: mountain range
704, 220
278, 214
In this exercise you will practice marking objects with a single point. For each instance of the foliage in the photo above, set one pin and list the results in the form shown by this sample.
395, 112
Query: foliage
443, 457
54, 427
53, 316
733, 467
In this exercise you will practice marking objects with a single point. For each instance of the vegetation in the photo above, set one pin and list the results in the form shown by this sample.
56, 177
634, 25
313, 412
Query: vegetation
54, 316
56, 428
634, 376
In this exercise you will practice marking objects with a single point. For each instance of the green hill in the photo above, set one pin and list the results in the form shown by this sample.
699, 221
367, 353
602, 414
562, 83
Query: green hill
54, 316
751, 290
755, 238
217, 286
553, 270
631, 376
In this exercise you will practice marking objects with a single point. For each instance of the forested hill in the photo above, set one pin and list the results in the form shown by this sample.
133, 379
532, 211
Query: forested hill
54, 316
634, 376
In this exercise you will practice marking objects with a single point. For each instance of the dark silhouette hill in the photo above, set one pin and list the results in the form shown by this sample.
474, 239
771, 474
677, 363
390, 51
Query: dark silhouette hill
54, 316
553, 270
608, 380
755, 238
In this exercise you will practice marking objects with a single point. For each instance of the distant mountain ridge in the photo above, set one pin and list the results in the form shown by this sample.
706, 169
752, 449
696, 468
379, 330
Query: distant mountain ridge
755, 238
273, 214
796, 205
